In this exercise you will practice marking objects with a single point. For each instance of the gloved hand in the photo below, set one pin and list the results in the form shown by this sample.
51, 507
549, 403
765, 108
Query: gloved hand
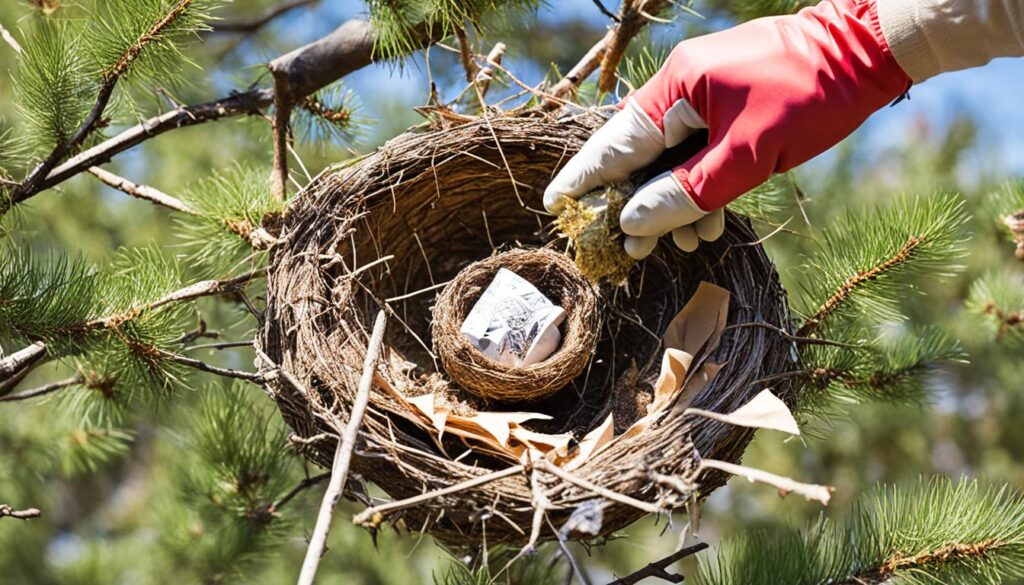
772, 92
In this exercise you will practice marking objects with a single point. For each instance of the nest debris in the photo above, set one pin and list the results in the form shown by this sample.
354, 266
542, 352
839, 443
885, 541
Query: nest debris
391, 229
592, 226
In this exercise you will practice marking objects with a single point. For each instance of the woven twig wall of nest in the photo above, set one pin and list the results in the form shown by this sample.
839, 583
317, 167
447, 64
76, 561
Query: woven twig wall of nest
391, 231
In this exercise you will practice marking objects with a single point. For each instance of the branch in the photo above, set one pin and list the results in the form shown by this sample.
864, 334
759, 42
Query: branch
26, 514
205, 367
38, 176
14, 366
251, 25
302, 486
659, 569
856, 281
343, 456
141, 191
43, 390
608, 51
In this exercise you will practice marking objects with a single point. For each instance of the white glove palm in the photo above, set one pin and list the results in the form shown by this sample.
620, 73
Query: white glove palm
628, 142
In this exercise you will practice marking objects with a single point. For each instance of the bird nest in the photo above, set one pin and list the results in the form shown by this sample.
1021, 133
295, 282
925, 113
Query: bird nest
389, 230
555, 276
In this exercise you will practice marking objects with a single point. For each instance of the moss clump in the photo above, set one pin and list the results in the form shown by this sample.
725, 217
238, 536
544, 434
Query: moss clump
592, 226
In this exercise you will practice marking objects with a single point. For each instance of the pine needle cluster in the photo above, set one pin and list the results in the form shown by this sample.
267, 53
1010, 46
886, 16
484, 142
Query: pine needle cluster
999, 300
937, 531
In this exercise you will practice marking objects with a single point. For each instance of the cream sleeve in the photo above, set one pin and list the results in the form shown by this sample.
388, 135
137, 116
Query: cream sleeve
929, 37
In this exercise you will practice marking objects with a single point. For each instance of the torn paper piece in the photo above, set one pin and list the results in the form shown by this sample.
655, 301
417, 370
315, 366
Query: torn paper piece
764, 411
701, 320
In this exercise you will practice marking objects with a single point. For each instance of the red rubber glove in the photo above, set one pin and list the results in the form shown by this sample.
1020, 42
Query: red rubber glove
772, 92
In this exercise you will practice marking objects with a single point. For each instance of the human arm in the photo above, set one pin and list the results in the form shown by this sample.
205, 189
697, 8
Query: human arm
773, 93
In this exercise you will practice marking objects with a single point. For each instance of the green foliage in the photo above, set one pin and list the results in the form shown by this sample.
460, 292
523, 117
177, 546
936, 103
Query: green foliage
998, 299
219, 518
97, 320
640, 65
933, 532
54, 88
860, 271
329, 116
541, 569
891, 368
141, 40
770, 202
230, 205
399, 24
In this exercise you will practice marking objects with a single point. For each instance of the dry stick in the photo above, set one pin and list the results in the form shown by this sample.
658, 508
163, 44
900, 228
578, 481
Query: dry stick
302, 485
14, 367
43, 390
10, 40
343, 456
658, 569
604, 492
7, 511
251, 25
141, 191
255, 378
368, 515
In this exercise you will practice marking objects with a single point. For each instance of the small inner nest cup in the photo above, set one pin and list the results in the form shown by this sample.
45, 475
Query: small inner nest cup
555, 275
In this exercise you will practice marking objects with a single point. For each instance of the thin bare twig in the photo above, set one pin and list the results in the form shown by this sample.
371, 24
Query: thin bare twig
302, 486
43, 390
10, 40
251, 25
343, 455
253, 377
7, 511
604, 492
373, 516
141, 191
659, 569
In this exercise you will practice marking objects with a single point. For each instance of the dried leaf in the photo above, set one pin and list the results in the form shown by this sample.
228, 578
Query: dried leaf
697, 382
437, 418
764, 411
674, 364
590, 444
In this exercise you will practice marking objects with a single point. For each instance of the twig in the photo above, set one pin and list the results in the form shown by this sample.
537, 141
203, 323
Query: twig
343, 455
302, 485
659, 569
466, 55
14, 367
251, 25
221, 345
785, 485
255, 378
10, 40
605, 11
604, 492
141, 191
43, 390
374, 515
25, 514
790, 337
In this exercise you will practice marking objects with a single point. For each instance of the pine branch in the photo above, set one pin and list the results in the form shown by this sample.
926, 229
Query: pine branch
608, 51
298, 489
140, 191
251, 25
856, 276
936, 531
205, 367
26, 514
855, 282
43, 390
93, 119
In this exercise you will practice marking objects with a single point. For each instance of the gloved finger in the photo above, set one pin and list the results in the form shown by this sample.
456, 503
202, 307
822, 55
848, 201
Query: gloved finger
640, 247
628, 142
659, 206
686, 238
711, 226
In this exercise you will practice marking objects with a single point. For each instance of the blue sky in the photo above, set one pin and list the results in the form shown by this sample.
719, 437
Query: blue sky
993, 95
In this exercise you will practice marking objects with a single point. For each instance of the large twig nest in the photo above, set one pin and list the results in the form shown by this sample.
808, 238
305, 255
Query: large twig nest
389, 230
555, 276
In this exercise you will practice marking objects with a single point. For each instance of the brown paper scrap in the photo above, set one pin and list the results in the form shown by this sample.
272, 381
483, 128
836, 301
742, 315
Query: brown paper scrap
701, 320
764, 411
